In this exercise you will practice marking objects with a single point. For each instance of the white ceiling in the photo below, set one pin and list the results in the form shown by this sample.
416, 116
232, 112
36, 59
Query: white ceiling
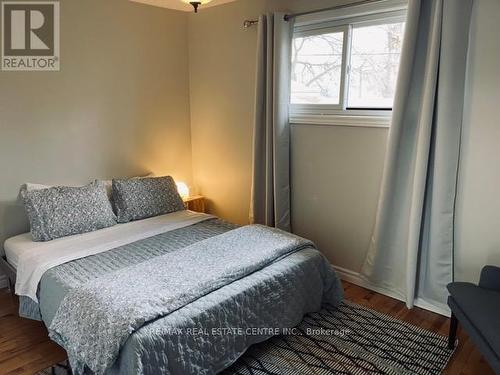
179, 5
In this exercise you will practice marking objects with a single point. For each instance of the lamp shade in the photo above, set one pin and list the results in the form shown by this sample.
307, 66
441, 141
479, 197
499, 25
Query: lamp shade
196, 3
183, 190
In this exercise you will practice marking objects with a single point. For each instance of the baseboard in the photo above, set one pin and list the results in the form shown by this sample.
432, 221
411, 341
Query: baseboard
3, 282
356, 279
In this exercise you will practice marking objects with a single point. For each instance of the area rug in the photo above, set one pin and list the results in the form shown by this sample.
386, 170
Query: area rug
351, 340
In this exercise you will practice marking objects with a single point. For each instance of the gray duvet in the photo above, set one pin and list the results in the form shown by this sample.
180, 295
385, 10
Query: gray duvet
198, 324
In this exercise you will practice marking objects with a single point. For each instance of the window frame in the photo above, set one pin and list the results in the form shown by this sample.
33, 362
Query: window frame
343, 73
340, 114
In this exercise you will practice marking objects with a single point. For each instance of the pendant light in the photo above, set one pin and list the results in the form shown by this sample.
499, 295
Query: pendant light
196, 3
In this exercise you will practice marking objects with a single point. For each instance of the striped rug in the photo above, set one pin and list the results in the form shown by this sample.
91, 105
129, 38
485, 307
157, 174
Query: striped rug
349, 339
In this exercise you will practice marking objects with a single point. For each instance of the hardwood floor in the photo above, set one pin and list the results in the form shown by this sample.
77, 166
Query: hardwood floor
26, 349
465, 361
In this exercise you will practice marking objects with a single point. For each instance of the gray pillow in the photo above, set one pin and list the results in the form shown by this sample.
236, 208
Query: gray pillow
140, 198
64, 211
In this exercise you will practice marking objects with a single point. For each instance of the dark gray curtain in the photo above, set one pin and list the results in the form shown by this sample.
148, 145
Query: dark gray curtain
270, 202
411, 251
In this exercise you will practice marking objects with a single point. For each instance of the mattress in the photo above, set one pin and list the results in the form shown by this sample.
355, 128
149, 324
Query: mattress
32, 259
23, 245
16, 246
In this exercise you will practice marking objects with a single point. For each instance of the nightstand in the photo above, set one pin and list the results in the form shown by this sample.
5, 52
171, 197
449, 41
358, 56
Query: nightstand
196, 203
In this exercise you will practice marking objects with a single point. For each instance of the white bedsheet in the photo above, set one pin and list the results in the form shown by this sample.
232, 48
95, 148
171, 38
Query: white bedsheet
14, 247
33, 259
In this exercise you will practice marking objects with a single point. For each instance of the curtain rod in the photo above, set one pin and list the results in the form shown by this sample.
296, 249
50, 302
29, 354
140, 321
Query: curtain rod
288, 17
250, 23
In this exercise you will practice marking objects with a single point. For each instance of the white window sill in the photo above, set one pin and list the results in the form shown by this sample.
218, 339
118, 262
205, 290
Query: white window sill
351, 120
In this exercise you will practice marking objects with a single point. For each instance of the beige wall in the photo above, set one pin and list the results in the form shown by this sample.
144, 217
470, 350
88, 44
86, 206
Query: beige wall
336, 175
222, 75
478, 217
118, 107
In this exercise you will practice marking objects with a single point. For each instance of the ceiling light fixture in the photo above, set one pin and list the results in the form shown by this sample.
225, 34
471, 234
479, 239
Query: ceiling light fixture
196, 3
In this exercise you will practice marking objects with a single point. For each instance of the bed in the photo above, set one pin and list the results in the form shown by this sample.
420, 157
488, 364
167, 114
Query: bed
68, 282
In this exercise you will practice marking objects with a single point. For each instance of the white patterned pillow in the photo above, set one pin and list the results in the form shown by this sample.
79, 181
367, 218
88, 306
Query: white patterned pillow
140, 198
62, 211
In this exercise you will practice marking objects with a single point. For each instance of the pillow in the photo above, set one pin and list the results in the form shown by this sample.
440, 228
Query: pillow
107, 184
31, 187
109, 189
62, 211
140, 198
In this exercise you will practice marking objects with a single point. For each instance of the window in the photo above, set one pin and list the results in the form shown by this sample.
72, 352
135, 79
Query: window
317, 68
374, 63
347, 66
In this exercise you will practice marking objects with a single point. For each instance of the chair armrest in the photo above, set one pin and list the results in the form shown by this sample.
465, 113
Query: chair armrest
490, 278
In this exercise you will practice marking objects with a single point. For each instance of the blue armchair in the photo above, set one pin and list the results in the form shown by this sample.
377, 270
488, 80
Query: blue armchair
477, 308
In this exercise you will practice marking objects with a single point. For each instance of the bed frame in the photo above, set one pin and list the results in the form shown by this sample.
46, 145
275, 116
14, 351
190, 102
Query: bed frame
10, 271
